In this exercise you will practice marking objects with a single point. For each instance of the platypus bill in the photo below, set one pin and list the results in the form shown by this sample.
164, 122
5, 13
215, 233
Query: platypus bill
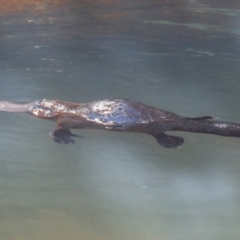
119, 115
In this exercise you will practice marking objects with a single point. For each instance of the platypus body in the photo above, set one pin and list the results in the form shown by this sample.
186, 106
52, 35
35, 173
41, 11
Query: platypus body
119, 115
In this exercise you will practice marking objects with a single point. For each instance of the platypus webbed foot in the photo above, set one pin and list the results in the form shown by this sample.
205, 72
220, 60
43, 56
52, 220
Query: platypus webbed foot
168, 141
62, 135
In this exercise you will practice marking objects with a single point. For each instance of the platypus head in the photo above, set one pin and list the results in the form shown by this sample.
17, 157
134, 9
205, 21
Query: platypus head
44, 108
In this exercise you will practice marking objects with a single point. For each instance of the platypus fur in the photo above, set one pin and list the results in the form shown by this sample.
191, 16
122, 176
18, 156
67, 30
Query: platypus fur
119, 115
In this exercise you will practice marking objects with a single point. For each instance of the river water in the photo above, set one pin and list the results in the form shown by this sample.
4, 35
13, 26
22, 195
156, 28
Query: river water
182, 57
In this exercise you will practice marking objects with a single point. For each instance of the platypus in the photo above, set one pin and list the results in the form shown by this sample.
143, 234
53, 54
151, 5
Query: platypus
119, 115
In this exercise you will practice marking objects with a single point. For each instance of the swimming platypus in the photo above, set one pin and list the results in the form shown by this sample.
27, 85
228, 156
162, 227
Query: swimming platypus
119, 115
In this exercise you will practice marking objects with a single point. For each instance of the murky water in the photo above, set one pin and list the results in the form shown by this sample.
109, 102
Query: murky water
183, 57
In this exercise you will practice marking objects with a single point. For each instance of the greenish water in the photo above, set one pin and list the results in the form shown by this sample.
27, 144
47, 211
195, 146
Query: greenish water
180, 57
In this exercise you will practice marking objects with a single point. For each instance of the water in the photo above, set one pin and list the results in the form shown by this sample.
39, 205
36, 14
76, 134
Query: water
180, 57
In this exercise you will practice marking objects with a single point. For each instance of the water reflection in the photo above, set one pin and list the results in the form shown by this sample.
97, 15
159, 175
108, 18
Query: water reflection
183, 57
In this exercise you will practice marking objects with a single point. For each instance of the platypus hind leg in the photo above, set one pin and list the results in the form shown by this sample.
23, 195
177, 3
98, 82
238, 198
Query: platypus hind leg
168, 141
62, 135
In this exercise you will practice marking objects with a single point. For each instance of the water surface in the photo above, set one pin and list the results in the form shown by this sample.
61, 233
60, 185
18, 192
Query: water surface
183, 57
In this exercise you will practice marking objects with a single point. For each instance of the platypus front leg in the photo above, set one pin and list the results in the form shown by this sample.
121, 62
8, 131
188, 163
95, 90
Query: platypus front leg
62, 135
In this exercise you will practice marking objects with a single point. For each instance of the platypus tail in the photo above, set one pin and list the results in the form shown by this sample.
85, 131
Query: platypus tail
200, 125
209, 125
15, 107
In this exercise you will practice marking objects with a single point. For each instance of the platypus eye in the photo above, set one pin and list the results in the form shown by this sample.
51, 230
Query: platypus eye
39, 107
40, 110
